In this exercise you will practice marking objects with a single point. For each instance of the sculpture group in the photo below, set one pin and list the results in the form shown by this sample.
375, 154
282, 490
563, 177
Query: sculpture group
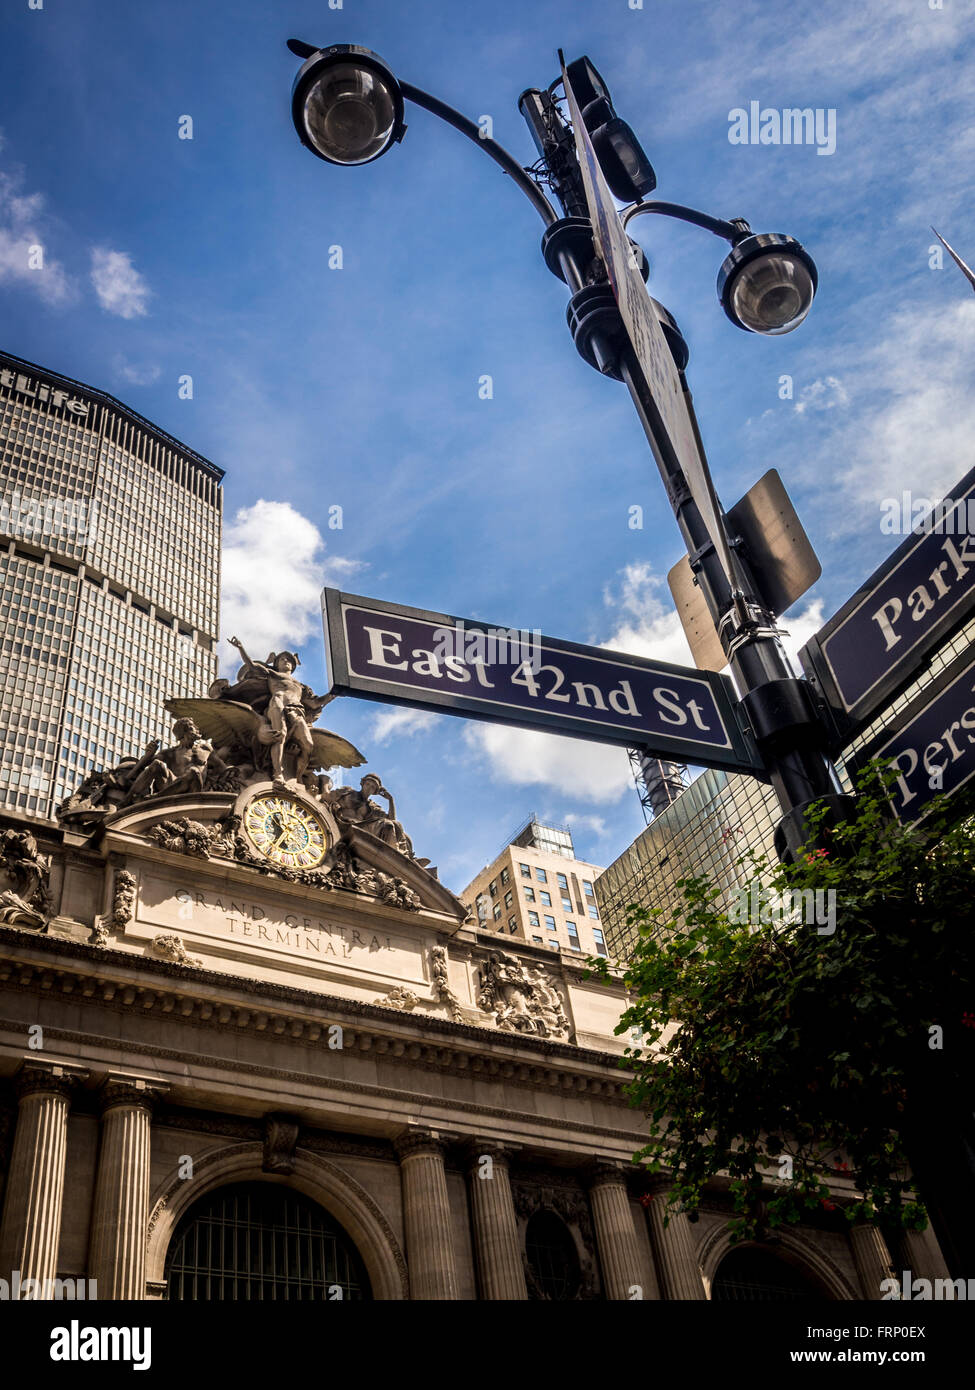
258, 727
521, 1000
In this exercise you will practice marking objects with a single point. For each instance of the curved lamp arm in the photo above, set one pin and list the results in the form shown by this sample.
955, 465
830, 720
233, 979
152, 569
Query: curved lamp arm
731, 231
497, 152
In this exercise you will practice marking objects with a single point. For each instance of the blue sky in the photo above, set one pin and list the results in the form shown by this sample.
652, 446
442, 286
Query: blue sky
358, 387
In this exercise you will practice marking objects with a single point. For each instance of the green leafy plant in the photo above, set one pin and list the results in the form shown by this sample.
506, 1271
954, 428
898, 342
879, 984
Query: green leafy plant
772, 1053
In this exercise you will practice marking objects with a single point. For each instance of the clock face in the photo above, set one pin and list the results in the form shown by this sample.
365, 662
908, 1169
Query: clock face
285, 832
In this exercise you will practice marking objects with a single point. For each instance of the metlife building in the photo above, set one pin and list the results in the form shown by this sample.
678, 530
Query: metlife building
109, 582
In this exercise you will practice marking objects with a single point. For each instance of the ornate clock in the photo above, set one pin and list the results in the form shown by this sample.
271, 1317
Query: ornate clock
286, 832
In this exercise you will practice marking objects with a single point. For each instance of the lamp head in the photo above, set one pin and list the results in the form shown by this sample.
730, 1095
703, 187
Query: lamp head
767, 283
346, 104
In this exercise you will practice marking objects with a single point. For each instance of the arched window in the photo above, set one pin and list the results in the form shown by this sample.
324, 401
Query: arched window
552, 1260
262, 1241
751, 1275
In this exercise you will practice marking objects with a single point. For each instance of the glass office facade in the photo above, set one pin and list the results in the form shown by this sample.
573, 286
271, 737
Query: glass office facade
109, 582
714, 822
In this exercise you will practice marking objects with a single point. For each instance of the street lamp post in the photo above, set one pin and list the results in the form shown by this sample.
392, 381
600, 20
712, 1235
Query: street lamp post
348, 109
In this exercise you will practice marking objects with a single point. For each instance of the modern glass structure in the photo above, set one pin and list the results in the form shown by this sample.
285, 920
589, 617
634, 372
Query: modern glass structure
711, 825
109, 582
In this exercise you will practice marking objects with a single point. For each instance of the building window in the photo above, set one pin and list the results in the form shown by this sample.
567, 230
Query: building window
262, 1241
533, 919
752, 1275
573, 936
553, 944
525, 870
550, 923
508, 900
594, 914
597, 936
493, 889
505, 876
563, 882
546, 898
537, 940
512, 924
554, 1273
588, 889
541, 875
529, 895
566, 904
497, 912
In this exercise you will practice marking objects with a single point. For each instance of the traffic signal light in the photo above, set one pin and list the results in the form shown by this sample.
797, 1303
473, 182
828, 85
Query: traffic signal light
625, 166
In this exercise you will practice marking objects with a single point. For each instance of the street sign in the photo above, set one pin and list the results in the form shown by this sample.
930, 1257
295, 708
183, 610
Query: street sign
654, 356
932, 743
876, 644
780, 557
409, 656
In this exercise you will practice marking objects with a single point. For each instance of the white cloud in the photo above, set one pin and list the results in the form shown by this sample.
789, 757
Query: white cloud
595, 824
798, 630
823, 394
401, 723
273, 568
119, 286
914, 418
134, 374
526, 757
647, 622
24, 232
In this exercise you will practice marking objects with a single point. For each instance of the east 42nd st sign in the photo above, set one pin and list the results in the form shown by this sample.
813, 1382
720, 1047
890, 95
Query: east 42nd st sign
426, 660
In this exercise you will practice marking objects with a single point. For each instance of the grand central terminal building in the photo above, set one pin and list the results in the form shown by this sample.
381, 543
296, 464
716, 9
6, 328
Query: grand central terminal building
252, 1048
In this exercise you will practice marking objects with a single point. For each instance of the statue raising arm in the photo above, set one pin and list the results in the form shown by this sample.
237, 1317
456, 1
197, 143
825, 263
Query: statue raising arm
236, 642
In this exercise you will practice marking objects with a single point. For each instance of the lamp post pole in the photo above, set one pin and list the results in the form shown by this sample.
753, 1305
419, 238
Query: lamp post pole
348, 108
778, 707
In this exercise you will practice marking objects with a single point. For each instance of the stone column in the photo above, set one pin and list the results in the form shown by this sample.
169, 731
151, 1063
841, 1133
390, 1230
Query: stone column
117, 1254
872, 1259
426, 1215
920, 1252
31, 1226
622, 1261
673, 1248
500, 1267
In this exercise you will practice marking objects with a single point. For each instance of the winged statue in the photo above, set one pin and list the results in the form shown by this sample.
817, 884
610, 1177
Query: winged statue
266, 717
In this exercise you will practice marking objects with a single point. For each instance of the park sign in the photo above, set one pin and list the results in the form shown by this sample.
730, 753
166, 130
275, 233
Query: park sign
434, 661
877, 643
931, 744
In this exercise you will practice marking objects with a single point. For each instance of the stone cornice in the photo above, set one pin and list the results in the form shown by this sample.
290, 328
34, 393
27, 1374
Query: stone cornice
214, 998
474, 1113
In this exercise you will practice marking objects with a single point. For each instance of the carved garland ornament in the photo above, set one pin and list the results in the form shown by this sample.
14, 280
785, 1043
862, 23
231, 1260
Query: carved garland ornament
342, 869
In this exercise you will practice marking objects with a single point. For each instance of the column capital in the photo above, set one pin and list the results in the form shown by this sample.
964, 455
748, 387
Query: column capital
58, 1078
420, 1139
608, 1171
499, 1151
134, 1091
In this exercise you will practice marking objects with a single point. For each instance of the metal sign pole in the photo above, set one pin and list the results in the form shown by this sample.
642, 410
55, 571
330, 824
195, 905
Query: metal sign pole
779, 709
